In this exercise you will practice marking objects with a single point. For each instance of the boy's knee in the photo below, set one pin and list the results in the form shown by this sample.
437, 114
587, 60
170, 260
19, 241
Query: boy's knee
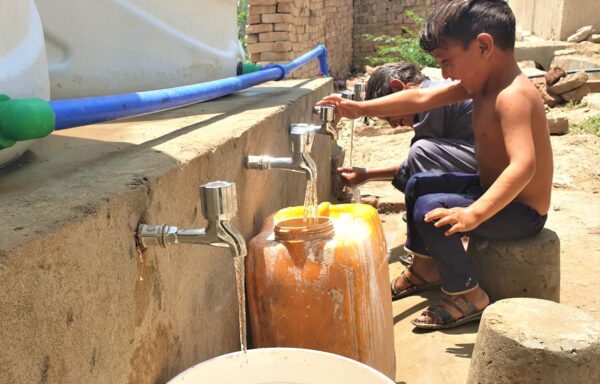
425, 204
419, 155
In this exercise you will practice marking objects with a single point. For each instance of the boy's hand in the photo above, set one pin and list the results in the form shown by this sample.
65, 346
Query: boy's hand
343, 107
459, 219
352, 176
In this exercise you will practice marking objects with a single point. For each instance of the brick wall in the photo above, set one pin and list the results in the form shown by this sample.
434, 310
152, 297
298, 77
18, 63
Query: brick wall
280, 30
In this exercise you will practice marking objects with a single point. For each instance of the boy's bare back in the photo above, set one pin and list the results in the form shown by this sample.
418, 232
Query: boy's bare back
501, 125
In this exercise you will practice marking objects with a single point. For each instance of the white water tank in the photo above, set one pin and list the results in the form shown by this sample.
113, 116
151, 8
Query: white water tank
281, 366
102, 47
23, 68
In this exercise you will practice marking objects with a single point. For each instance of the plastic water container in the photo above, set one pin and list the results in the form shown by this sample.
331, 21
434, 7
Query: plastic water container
102, 47
281, 366
23, 67
324, 286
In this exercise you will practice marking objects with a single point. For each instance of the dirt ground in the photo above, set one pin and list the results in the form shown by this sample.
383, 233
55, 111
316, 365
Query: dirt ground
574, 216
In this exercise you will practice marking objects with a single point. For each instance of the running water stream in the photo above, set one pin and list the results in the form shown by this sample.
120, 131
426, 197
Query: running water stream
355, 191
311, 210
238, 263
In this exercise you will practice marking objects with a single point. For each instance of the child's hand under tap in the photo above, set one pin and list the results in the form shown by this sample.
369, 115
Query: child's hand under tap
343, 107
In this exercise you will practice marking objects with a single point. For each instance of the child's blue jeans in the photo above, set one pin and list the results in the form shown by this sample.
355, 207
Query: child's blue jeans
427, 191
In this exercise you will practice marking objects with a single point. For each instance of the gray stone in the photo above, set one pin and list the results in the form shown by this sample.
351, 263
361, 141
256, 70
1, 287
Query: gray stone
528, 267
577, 94
581, 34
535, 341
570, 83
558, 125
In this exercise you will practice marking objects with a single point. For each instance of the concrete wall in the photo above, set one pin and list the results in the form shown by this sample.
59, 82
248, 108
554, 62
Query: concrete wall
79, 303
555, 19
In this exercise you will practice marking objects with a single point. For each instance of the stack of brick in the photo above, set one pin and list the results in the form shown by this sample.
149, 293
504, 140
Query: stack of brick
556, 87
280, 30
382, 17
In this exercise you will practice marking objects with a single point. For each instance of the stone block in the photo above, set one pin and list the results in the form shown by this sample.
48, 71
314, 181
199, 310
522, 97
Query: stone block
527, 340
549, 98
277, 18
273, 36
275, 56
528, 267
554, 75
262, 2
260, 47
577, 94
581, 34
282, 46
558, 124
260, 9
594, 38
259, 28
253, 19
570, 83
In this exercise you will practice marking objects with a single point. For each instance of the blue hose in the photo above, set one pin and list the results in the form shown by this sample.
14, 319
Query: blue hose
76, 112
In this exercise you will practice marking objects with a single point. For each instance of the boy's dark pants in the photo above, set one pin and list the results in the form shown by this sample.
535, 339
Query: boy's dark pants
427, 191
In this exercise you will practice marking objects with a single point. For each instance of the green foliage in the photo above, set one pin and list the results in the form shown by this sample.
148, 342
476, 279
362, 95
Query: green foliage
571, 105
242, 21
404, 47
589, 126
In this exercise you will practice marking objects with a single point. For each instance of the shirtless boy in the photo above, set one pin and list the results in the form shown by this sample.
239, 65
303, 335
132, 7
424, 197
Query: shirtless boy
473, 41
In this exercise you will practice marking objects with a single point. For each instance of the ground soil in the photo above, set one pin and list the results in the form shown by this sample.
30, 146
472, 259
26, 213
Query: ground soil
574, 216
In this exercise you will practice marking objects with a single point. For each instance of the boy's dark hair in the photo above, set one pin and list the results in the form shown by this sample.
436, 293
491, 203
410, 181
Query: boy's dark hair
379, 82
463, 20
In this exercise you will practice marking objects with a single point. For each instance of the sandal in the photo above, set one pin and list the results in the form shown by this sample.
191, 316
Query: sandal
424, 285
445, 318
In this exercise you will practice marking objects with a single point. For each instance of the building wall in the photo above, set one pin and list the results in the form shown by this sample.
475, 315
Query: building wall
555, 19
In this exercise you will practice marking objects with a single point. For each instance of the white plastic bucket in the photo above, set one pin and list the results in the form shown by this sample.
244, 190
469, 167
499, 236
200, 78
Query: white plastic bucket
23, 67
281, 366
102, 47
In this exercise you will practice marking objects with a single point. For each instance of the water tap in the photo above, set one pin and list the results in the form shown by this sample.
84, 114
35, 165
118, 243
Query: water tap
219, 205
302, 136
326, 114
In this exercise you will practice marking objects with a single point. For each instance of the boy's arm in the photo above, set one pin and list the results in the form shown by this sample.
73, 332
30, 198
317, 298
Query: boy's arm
406, 102
515, 113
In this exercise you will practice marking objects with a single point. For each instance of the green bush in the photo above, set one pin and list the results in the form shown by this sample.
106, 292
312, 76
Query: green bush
242, 21
590, 126
404, 47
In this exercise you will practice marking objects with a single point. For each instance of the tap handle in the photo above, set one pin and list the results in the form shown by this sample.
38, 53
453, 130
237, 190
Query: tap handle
359, 90
326, 113
219, 200
349, 95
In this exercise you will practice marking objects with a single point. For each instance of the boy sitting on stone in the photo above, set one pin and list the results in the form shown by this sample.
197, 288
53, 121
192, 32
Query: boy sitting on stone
473, 41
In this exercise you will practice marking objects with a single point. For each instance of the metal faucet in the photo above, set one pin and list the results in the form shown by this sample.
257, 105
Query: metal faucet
326, 114
219, 205
302, 136
359, 91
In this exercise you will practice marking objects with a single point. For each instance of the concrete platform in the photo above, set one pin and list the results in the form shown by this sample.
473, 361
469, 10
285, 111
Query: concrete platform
80, 304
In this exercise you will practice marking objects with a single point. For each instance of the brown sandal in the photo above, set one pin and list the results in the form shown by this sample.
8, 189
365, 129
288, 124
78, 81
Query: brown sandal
422, 285
446, 320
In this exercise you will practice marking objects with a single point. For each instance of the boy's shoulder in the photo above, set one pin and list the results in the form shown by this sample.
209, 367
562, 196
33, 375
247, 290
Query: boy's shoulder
520, 91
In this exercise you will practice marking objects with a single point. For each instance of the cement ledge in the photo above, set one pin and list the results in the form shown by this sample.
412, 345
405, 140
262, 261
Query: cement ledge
80, 304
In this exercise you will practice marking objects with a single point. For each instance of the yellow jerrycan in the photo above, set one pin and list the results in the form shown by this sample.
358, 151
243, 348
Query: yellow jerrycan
324, 286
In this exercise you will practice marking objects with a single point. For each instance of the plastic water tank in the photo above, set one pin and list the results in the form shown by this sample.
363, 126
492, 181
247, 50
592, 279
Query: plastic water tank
281, 366
102, 47
23, 67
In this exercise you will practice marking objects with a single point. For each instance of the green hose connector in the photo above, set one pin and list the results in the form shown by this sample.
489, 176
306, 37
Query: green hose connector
250, 67
24, 119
